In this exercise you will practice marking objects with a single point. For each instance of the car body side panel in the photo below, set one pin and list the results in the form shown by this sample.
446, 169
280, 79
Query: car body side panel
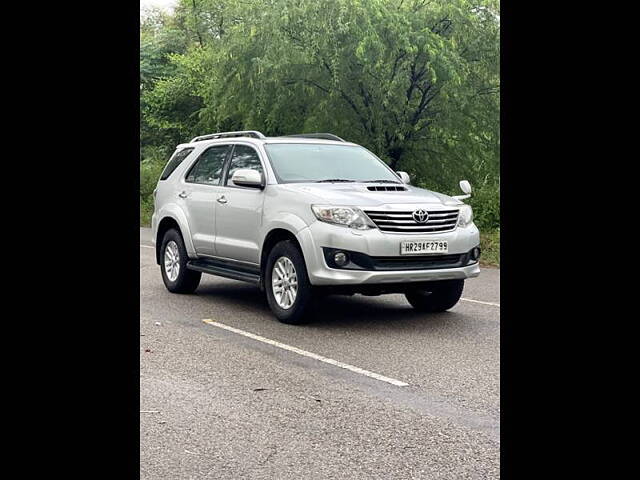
283, 209
200, 210
238, 224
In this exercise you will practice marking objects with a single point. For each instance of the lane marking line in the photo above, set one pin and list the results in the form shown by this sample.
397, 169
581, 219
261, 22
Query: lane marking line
147, 246
479, 301
304, 353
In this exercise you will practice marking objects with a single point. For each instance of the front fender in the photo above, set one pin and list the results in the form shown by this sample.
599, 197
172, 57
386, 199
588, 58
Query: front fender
175, 212
286, 221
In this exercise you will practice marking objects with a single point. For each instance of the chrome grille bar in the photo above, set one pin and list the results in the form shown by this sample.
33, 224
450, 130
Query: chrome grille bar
402, 221
411, 222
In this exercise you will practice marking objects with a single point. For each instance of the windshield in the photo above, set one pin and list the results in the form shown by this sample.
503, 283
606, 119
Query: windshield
309, 162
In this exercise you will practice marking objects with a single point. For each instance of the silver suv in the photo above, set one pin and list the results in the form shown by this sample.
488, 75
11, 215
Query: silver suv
302, 216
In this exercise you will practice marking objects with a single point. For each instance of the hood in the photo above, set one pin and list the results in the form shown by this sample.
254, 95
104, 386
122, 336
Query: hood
357, 194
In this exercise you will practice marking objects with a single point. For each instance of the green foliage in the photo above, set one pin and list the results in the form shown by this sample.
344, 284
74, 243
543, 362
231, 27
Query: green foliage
146, 211
415, 81
485, 202
490, 245
150, 169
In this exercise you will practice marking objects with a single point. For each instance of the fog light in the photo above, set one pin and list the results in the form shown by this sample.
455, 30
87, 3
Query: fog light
341, 259
475, 253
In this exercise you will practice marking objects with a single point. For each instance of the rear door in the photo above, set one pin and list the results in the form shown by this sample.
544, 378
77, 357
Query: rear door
200, 188
239, 210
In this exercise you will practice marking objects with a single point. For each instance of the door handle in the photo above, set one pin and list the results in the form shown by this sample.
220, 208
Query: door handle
183, 194
222, 199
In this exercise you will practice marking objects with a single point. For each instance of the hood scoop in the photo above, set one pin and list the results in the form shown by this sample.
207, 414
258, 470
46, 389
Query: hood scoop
386, 188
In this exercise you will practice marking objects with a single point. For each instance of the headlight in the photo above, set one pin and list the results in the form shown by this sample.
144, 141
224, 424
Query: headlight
347, 216
466, 216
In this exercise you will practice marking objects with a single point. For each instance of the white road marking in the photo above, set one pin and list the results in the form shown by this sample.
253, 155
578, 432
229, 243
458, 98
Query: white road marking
304, 353
479, 301
147, 246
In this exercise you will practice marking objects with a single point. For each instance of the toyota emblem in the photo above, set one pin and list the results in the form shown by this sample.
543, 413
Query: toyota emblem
421, 216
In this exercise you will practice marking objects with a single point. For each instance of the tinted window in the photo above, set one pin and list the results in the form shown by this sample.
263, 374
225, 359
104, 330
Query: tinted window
208, 168
174, 161
243, 157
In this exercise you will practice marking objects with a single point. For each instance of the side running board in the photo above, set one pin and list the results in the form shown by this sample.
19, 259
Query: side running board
245, 273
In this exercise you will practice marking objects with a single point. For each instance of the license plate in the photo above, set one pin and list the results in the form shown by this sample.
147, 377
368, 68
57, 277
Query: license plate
423, 247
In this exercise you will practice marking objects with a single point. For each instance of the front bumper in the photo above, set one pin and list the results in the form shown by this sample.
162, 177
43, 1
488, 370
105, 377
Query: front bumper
378, 244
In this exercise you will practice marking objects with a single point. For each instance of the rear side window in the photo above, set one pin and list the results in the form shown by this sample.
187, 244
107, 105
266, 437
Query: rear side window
208, 168
174, 161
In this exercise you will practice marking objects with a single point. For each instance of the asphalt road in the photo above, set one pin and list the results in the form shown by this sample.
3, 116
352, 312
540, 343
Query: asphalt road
218, 404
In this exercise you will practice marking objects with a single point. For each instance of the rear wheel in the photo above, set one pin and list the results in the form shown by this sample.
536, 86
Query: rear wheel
177, 278
289, 292
438, 297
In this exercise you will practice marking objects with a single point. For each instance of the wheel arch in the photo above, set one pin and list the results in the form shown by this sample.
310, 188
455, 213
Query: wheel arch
275, 235
173, 219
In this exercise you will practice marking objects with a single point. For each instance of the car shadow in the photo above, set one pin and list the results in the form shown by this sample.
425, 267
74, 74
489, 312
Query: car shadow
336, 311
239, 294
384, 312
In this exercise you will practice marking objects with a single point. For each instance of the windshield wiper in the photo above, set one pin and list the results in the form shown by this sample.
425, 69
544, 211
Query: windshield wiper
379, 181
332, 180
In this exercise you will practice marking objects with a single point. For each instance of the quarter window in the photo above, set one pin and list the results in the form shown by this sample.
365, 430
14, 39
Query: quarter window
174, 162
208, 168
243, 157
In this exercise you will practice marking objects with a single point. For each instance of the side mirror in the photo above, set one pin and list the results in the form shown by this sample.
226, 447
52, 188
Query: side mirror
465, 186
404, 176
247, 177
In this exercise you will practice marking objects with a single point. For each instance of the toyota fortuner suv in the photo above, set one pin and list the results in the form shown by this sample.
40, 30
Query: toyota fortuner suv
302, 216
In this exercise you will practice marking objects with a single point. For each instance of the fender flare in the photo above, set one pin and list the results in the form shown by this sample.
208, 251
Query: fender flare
294, 225
285, 221
176, 213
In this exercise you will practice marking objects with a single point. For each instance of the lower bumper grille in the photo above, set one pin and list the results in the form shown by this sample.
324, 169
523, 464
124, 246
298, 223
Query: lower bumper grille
417, 263
362, 261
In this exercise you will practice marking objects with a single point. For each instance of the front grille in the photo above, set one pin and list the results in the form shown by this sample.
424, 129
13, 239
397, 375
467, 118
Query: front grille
403, 221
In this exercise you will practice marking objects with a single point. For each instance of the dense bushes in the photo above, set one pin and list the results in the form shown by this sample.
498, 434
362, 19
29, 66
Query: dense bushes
150, 169
485, 201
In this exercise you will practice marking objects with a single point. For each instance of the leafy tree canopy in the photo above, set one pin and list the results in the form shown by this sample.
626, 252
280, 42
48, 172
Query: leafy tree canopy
415, 81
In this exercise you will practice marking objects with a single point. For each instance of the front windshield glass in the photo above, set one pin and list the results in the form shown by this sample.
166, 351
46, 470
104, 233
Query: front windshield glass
312, 162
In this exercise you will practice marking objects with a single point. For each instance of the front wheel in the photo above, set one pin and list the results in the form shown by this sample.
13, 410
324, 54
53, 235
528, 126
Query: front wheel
289, 292
437, 297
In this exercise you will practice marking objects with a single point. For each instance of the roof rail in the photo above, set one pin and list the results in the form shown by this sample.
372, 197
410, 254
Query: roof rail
241, 133
324, 136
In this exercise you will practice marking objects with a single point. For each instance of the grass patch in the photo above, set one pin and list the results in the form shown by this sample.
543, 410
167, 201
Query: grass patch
146, 210
490, 245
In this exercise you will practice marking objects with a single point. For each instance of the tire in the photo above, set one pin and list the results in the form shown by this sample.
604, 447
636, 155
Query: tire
440, 296
186, 280
298, 312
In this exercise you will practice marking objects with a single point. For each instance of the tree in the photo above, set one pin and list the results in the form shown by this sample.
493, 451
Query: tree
417, 82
